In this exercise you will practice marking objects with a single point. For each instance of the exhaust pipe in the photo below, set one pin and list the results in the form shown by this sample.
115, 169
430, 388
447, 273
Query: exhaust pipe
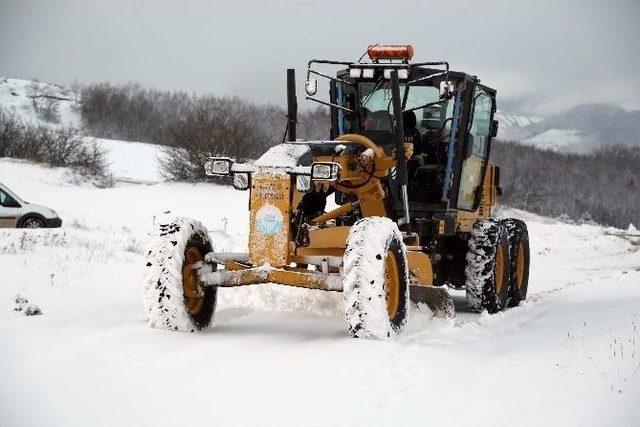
292, 104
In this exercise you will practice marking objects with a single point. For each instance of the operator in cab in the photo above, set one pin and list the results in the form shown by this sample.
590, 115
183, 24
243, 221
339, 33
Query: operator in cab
411, 133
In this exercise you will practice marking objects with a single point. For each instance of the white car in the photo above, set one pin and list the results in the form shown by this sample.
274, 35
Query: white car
15, 212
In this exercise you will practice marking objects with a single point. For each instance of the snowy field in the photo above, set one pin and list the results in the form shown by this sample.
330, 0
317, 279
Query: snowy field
281, 356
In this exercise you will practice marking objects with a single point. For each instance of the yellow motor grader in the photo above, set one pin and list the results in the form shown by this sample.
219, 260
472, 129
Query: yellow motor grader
407, 172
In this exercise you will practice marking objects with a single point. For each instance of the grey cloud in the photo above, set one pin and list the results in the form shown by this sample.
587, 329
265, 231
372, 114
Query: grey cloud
540, 55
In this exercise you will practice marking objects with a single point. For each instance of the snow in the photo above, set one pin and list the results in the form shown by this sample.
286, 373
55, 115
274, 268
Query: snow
281, 355
557, 140
510, 123
134, 162
285, 155
16, 98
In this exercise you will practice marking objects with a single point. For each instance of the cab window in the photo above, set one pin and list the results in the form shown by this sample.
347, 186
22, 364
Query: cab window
345, 96
375, 98
477, 147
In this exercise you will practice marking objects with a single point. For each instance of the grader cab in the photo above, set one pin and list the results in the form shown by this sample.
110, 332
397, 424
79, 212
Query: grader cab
407, 174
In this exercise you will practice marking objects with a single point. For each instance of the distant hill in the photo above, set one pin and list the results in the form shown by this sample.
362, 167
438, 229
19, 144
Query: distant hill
580, 129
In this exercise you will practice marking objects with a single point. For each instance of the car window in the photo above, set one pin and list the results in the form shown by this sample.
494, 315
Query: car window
7, 201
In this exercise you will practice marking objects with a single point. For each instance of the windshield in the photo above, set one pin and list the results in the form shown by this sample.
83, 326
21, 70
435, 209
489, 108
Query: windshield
375, 98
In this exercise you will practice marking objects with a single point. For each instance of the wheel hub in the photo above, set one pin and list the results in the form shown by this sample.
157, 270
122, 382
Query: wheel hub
500, 268
520, 265
32, 223
193, 295
392, 285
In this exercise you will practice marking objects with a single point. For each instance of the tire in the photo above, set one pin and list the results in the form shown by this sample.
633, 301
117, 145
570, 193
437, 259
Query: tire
169, 302
32, 221
519, 260
375, 280
487, 269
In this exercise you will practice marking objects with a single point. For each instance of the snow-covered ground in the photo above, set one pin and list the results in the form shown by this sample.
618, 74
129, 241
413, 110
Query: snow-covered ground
281, 356
132, 162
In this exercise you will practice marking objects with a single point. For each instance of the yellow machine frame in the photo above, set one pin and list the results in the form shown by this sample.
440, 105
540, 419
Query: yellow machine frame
275, 257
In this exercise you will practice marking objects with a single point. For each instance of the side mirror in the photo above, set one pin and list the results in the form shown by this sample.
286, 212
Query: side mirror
325, 171
241, 180
493, 132
218, 166
446, 88
311, 86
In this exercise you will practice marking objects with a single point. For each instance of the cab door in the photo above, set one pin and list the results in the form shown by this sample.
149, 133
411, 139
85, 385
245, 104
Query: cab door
477, 148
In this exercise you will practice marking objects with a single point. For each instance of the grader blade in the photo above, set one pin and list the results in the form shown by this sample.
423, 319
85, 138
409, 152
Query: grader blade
437, 299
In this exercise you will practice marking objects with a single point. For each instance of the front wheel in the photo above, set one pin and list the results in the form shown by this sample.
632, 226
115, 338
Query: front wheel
375, 279
174, 299
32, 222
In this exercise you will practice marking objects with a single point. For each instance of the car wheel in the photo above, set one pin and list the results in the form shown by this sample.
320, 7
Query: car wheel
32, 222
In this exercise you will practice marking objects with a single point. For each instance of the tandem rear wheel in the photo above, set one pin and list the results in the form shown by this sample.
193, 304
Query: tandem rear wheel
497, 264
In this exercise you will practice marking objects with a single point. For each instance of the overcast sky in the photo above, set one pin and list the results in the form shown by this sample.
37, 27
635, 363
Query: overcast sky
541, 56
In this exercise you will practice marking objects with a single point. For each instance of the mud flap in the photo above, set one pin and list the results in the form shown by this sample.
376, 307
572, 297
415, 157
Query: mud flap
437, 299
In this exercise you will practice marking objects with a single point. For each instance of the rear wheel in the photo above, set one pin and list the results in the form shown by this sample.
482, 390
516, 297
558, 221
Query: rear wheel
173, 297
487, 269
376, 279
519, 262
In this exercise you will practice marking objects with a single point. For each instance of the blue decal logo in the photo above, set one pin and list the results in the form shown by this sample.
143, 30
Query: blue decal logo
269, 220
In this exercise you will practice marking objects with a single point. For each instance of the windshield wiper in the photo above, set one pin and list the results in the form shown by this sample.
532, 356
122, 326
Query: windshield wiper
428, 104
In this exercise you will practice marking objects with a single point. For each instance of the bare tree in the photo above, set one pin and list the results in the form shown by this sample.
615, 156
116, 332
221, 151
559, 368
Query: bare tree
53, 146
212, 127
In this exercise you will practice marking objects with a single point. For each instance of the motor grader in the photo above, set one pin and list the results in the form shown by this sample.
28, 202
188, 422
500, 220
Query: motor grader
394, 207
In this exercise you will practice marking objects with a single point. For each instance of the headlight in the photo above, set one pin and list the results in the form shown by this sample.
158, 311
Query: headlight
325, 171
219, 166
54, 214
355, 73
403, 73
